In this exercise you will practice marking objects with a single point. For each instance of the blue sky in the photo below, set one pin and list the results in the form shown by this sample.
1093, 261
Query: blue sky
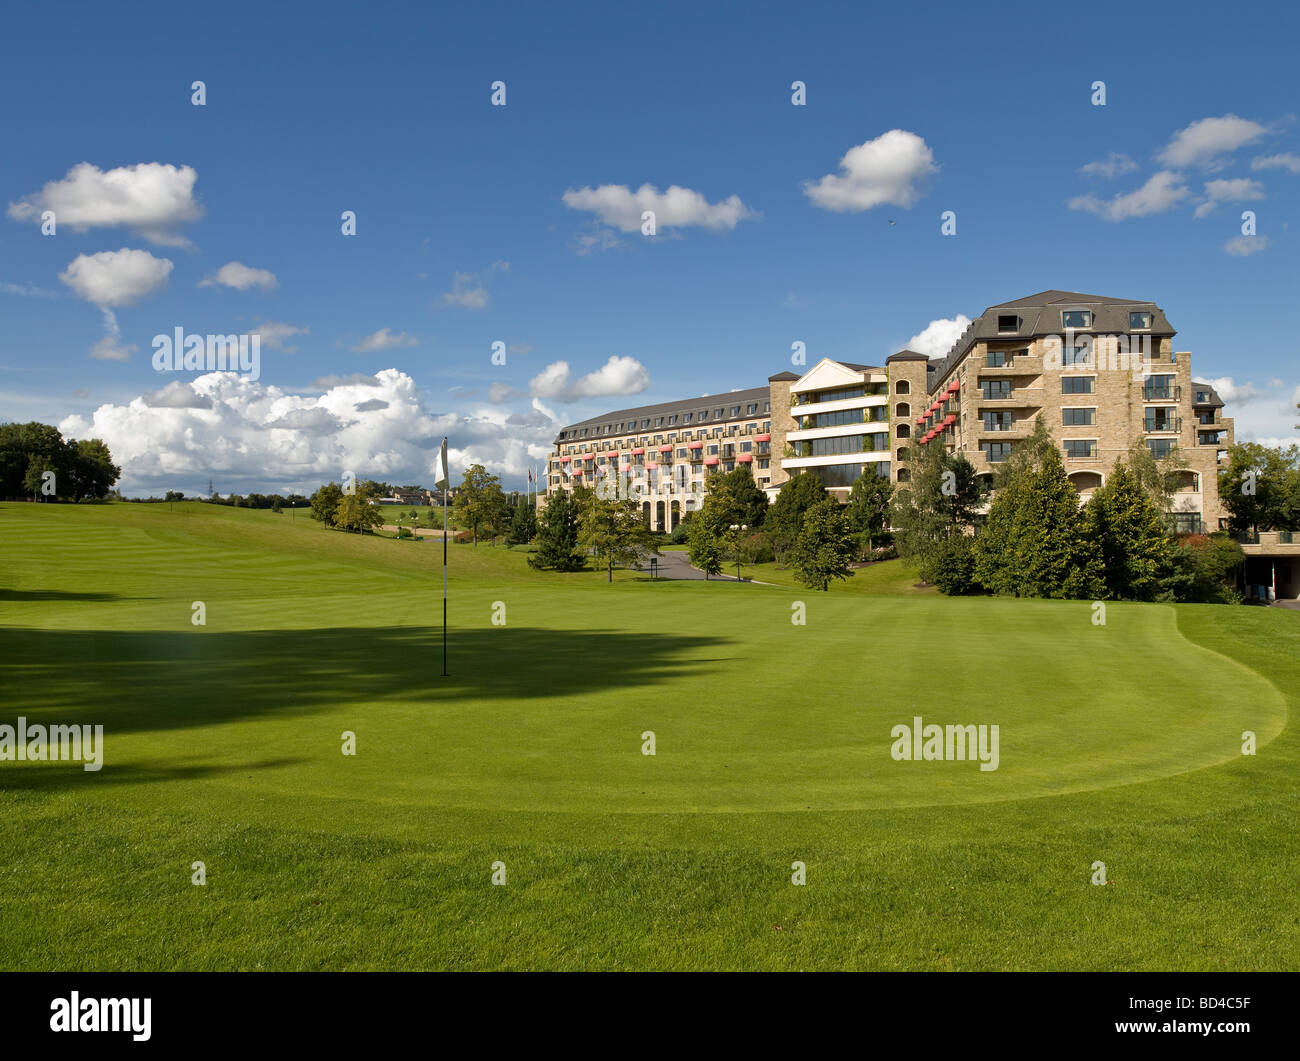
465, 237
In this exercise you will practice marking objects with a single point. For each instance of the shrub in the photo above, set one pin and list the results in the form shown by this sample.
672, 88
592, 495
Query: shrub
951, 567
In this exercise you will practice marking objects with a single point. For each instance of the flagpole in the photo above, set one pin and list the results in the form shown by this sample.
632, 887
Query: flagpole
446, 489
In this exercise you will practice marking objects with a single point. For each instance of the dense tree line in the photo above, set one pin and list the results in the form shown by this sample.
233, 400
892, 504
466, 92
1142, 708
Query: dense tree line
36, 461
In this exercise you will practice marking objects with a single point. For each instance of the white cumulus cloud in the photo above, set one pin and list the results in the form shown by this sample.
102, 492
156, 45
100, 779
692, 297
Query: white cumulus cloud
116, 278
619, 375
150, 198
1162, 191
241, 277
617, 206
1111, 166
937, 337
1244, 246
893, 169
384, 339
1205, 142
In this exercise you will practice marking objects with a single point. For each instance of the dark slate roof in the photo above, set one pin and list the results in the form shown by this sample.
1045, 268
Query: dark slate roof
860, 368
665, 409
1040, 315
1215, 400
781, 376
906, 355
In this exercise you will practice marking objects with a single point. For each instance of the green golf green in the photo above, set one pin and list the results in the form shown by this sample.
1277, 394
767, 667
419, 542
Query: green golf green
223, 744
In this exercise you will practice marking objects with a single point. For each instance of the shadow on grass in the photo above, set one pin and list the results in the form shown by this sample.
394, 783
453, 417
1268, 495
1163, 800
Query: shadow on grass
142, 681
45, 777
33, 596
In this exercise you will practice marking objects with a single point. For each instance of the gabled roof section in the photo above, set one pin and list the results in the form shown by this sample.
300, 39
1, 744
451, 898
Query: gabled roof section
828, 374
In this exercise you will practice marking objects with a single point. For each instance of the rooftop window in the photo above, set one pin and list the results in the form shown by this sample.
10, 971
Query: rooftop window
1008, 322
1139, 321
1076, 318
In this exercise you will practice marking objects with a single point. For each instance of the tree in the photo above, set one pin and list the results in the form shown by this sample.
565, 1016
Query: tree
557, 536
939, 502
325, 503
480, 501
523, 525
1126, 534
704, 545
736, 498
868, 509
824, 547
785, 518
1032, 544
1260, 488
357, 512
612, 529
1210, 562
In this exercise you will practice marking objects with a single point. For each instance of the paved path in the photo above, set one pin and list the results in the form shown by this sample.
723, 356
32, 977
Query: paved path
677, 565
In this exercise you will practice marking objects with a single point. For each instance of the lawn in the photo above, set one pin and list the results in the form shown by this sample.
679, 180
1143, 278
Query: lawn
1119, 743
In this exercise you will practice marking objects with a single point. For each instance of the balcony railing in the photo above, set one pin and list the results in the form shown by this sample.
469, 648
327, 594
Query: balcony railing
1162, 394
1172, 423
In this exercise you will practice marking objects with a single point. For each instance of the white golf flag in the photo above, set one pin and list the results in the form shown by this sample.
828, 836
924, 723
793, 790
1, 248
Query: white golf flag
444, 476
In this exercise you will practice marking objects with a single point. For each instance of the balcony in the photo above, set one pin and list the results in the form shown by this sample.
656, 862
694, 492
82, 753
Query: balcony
1168, 425
1026, 365
1162, 394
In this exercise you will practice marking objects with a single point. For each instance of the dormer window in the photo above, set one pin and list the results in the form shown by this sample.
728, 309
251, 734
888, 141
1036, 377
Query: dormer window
1008, 323
1139, 321
1076, 318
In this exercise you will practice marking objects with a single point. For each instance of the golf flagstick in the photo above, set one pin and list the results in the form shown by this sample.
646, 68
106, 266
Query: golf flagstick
446, 488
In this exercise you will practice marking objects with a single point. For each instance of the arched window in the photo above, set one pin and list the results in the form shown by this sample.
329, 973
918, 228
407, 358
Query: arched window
902, 387
904, 475
903, 431
902, 454
902, 409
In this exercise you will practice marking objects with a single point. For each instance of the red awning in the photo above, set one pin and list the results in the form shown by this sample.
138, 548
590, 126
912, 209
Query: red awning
949, 420
920, 420
625, 467
651, 465
696, 445
665, 449
710, 460
953, 387
565, 460
745, 458
638, 451
762, 438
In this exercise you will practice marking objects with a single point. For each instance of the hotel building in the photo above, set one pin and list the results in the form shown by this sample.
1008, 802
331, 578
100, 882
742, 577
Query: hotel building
1101, 373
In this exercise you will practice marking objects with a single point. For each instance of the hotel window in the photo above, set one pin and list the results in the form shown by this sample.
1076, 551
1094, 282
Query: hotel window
686, 417
1078, 417
1161, 418
751, 409
998, 358
1159, 388
1076, 318
767, 407
998, 421
681, 452
746, 447
1077, 384
1081, 447
1008, 322
767, 425
1139, 321
659, 422
713, 451
996, 451
902, 387
704, 414
902, 409
1079, 354
996, 389
1160, 447
763, 462
717, 414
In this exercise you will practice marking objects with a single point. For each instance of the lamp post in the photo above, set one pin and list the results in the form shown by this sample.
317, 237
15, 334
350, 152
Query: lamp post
735, 528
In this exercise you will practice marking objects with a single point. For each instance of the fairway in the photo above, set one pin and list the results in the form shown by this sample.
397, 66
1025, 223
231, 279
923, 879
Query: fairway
1120, 742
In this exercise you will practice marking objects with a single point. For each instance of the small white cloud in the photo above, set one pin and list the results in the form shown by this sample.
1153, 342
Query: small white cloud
116, 278
384, 339
1162, 191
503, 392
617, 206
274, 333
1237, 190
937, 337
1243, 246
241, 277
150, 198
1205, 142
1113, 165
1284, 161
467, 292
893, 168
110, 348
26, 290
619, 375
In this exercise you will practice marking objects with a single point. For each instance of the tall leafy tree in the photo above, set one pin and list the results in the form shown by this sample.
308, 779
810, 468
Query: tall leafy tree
356, 512
612, 530
1126, 534
557, 536
705, 545
735, 499
1032, 544
325, 503
785, 518
940, 502
1260, 488
868, 509
523, 524
480, 502
824, 548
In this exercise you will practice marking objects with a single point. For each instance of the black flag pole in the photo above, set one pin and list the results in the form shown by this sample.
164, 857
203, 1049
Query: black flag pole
446, 489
